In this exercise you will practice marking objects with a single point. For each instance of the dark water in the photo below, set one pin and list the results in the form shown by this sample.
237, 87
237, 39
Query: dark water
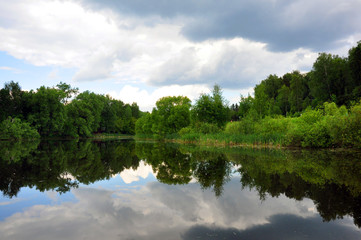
139, 190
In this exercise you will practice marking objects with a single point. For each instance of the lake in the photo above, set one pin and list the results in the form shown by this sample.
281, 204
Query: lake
125, 189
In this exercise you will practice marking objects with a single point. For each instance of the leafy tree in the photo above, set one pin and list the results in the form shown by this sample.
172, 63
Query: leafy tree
67, 90
10, 101
245, 105
212, 108
144, 124
261, 103
45, 111
329, 78
272, 84
298, 91
283, 99
84, 114
354, 62
171, 114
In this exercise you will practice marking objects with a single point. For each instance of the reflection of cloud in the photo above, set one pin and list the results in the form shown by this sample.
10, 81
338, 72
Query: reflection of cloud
9, 202
131, 175
159, 211
53, 195
279, 227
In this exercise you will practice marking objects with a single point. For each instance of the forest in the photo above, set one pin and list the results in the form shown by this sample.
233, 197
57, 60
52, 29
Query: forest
61, 111
320, 108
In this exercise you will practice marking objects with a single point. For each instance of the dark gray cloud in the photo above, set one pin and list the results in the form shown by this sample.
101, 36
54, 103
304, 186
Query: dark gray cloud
284, 25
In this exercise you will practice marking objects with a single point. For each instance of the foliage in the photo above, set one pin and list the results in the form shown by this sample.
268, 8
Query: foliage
14, 128
46, 112
171, 115
211, 109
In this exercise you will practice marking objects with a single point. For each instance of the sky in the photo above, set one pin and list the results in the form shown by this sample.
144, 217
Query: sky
139, 51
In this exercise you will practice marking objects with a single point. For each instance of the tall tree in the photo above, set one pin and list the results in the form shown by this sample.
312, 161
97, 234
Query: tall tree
45, 111
354, 62
11, 100
298, 91
329, 78
212, 108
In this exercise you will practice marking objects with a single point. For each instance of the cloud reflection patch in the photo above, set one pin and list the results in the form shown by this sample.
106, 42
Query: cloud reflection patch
159, 211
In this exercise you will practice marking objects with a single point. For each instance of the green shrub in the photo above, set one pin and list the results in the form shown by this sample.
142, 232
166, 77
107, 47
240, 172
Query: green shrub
317, 136
206, 128
185, 130
245, 126
311, 116
297, 130
190, 136
270, 125
352, 132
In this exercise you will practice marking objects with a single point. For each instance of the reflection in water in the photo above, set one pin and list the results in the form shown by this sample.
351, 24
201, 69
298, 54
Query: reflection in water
217, 206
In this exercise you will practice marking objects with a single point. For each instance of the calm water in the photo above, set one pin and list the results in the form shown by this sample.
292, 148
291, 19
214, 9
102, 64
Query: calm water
139, 190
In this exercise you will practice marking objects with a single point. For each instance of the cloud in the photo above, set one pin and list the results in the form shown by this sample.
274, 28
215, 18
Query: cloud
235, 63
281, 24
279, 227
14, 70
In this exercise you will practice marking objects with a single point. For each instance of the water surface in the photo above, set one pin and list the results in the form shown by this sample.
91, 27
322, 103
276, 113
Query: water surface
141, 190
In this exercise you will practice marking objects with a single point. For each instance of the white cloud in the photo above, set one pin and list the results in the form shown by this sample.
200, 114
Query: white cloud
146, 100
235, 63
14, 70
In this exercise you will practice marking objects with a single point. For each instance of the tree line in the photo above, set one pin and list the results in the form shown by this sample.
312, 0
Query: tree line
62, 111
328, 96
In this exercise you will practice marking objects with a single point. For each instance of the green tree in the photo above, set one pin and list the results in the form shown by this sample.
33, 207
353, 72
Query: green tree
171, 114
212, 108
298, 91
272, 84
354, 62
10, 101
245, 105
329, 78
67, 90
261, 103
84, 114
283, 99
45, 111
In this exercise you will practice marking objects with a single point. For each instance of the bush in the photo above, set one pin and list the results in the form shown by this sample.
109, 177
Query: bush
186, 130
270, 125
296, 133
206, 128
191, 136
317, 136
245, 126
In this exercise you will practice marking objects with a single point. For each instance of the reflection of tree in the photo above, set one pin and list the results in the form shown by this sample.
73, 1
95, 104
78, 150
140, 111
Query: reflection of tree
328, 179
171, 166
174, 166
212, 170
62, 165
